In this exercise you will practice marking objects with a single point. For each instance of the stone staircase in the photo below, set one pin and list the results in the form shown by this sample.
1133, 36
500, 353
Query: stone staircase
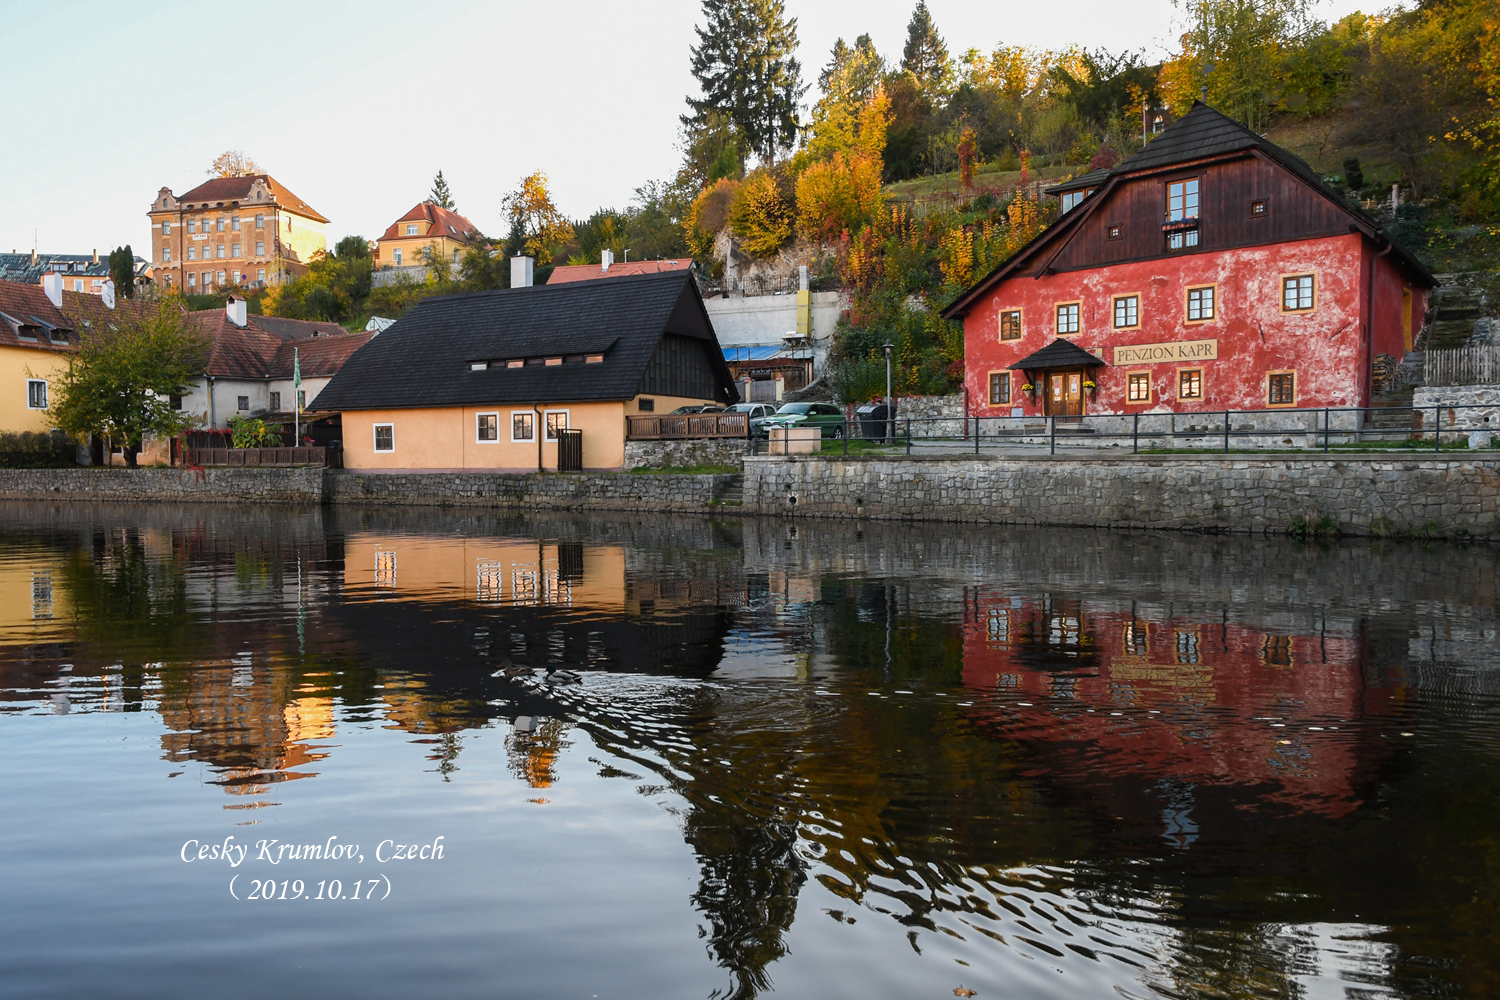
1451, 316
731, 493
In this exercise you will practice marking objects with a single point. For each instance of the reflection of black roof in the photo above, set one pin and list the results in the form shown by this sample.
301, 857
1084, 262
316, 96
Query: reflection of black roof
1092, 179
428, 357
1058, 354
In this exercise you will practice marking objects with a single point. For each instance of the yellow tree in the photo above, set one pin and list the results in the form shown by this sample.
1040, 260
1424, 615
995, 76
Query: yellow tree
762, 214
836, 195
546, 230
233, 163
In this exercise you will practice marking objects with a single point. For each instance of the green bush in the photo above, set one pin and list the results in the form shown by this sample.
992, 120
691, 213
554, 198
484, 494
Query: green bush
37, 450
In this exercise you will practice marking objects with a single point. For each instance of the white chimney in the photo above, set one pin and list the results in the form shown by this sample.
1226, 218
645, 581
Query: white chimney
107, 293
521, 271
52, 285
606, 259
235, 310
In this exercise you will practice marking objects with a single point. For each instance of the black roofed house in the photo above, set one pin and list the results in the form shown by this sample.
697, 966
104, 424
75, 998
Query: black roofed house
486, 380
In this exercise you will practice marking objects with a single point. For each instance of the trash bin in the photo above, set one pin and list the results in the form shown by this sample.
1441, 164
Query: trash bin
874, 420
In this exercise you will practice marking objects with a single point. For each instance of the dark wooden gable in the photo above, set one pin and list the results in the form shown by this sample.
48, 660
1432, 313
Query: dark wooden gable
1136, 207
681, 366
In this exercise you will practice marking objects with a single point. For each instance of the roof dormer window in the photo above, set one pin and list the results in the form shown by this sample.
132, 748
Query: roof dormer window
1181, 225
411, 229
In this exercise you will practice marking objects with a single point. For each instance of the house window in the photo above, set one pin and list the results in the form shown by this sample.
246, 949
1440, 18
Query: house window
1200, 304
396, 255
557, 420
1182, 239
1138, 387
1067, 318
77, 284
166, 229
174, 401
1127, 311
260, 248
1190, 383
515, 364
36, 394
455, 256
1258, 208
275, 402
234, 223
1182, 200
645, 404
999, 388
243, 403
166, 254
593, 359
552, 361
1281, 388
1070, 200
487, 427
208, 278
478, 366
219, 225
1297, 293
411, 230
260, 221
522, 425
192, 253
220, 278
260, 275
234, 250
1112, 233
192, 226
385, 437
1010, 324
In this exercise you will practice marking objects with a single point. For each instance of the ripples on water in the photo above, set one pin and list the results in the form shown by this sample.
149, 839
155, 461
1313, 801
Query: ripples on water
819, 760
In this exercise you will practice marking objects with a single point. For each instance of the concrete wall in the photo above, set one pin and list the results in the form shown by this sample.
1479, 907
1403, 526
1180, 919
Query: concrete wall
741, 320
1361, 496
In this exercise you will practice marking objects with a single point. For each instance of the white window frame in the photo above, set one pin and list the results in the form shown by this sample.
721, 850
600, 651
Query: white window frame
166, 254
260, 248
166, 229
260, 220
260, 275
375, 439
411, 229
234, 250
396, 255
529, 414
483, 440
32, 382
547, 424
192, 279
234, 223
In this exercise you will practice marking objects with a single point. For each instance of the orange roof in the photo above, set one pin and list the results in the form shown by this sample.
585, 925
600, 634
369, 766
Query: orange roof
238, 189
586, 272
444, 223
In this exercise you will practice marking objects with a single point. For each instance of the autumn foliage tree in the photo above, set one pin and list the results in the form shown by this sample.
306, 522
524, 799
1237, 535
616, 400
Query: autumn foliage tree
763, 213
544, 229
234, 163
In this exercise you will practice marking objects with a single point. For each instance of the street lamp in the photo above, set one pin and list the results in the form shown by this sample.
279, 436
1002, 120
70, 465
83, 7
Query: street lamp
890, 412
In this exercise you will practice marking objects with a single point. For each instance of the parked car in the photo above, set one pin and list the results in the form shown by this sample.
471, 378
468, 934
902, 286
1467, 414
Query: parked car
700, 408
757, 411
825, 415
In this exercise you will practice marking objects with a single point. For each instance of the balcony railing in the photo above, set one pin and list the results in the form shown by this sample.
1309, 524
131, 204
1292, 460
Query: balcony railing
677, 426
327, 458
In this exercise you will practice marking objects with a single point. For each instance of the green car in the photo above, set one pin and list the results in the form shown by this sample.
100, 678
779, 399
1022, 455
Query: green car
825, 415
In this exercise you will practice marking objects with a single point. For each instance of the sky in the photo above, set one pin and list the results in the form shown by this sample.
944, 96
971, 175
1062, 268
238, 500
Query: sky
356, 106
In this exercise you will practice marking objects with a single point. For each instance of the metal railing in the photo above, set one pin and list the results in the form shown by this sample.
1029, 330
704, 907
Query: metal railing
1320, 430
330, 458
677, 426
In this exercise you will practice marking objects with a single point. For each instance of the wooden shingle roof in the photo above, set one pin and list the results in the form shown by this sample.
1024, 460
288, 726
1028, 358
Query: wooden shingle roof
426, 358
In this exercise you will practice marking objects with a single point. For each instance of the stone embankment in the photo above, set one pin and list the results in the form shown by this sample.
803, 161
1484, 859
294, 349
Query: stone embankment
1431, 496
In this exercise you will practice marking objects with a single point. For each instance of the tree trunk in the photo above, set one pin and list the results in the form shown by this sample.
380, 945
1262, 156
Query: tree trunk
131, 452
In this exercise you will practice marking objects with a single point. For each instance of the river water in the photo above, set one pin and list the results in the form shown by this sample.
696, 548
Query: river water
804, 759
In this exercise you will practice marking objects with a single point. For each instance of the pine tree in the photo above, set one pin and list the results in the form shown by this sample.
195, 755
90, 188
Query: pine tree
745, 66
122, 271
441, 196
925, 55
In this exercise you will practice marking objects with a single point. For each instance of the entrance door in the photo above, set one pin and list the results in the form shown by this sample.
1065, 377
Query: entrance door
1065, 393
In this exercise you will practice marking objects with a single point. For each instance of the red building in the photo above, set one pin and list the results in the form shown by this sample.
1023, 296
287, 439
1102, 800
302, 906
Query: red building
1210, 271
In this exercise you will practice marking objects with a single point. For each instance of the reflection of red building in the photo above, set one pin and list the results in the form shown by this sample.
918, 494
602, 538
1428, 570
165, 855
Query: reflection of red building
1184, 702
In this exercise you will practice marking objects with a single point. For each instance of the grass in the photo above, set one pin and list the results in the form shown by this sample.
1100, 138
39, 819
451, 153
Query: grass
684, 470
935, 184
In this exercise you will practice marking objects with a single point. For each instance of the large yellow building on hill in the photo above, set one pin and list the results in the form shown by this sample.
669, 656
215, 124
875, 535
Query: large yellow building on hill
405, 242
232, 231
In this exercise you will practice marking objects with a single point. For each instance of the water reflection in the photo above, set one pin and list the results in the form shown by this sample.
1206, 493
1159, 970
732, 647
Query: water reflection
1153, 765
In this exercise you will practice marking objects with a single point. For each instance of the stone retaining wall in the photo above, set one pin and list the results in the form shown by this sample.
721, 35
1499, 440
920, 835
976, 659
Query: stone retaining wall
694, 451
1483, 424
212, 485
573, 491
1438, 496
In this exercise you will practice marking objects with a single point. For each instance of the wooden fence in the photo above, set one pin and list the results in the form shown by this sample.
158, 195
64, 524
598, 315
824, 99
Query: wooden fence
330, 458
1478, 365
678, 426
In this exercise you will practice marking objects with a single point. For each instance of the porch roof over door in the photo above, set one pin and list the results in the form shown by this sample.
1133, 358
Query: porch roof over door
1058, 354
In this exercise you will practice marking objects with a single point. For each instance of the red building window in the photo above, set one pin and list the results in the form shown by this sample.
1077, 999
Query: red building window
1138, 387
1297, 293
1281, 388
1200, 304
1127, 311
1182, 200
999, 388
1010, 324
1190, 383
1067, 318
